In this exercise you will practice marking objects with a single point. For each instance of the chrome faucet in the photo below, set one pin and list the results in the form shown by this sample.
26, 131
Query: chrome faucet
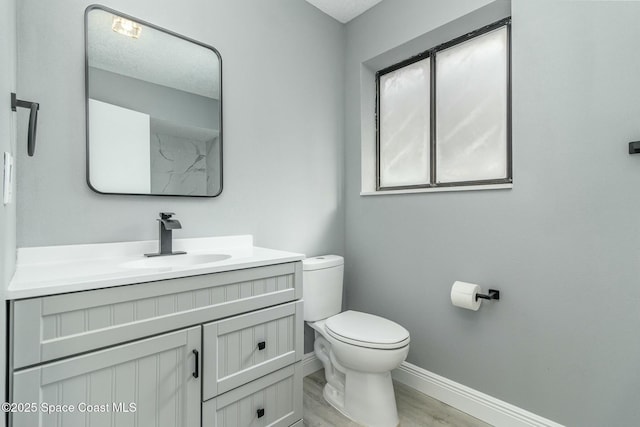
165, 243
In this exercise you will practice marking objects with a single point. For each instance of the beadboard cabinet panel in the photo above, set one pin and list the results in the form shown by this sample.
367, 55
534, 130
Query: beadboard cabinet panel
154, 374
242, 348
274, 400
59, 326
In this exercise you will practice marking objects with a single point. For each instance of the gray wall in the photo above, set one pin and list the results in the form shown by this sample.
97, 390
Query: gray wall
7, 144
562, 245
283, 69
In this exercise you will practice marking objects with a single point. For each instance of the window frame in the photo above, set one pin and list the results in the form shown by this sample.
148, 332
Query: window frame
432, 55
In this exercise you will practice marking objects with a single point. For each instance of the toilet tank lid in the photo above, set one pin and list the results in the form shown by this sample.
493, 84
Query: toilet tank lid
322, 261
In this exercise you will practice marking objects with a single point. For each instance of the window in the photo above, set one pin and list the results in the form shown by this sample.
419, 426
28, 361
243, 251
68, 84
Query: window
443, 118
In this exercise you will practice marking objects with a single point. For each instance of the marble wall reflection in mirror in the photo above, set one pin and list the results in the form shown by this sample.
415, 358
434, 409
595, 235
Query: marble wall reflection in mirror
154, 109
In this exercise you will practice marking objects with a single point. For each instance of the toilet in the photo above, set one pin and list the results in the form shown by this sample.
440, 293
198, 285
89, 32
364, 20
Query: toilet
358, 350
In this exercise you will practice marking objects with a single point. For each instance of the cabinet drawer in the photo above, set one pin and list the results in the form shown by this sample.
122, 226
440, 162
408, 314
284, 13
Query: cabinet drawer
246, 347
63, 325
278, 395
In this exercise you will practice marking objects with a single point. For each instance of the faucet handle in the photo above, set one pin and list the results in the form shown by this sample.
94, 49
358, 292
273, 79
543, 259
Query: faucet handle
166, 215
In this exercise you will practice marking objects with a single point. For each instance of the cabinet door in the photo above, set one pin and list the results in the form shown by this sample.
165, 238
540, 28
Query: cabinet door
150, 382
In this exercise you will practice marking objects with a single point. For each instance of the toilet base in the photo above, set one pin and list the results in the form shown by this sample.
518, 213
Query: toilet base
335, 398
370, 400
365, 397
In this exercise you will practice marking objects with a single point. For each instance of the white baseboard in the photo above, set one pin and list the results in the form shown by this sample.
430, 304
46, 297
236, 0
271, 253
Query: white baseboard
477, 404
310, 364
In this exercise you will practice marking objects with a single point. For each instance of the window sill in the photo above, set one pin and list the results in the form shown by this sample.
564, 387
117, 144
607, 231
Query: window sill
439, 189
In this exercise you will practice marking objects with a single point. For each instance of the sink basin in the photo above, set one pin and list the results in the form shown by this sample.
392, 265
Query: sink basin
171, 261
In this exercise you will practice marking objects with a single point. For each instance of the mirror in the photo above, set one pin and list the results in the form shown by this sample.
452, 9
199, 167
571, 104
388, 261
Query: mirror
154, 109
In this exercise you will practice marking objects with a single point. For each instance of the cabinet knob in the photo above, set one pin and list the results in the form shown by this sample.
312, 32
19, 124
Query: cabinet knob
260, 412
262, 345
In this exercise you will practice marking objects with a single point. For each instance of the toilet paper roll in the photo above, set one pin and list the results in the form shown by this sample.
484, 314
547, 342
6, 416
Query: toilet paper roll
463, 295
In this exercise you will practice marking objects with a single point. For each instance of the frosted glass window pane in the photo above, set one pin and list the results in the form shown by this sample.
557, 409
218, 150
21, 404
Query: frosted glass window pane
471, 109
404, 125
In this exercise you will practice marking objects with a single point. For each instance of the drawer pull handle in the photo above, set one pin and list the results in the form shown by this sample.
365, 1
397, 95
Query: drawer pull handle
260, 413
196, 373
262, 345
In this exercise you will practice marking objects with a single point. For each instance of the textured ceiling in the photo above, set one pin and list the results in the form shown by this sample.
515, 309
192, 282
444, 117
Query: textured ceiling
155, 57
344, 10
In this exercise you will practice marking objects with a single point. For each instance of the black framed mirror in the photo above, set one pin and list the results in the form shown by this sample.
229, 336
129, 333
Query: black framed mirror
153, 109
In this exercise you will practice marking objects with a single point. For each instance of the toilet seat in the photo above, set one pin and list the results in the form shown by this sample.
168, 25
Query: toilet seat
366, 330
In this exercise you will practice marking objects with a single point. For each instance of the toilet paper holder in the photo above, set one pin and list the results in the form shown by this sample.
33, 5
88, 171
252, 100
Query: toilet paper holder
493, 294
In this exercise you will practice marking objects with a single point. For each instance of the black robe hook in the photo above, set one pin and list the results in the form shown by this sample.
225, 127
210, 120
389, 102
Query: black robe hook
33, 120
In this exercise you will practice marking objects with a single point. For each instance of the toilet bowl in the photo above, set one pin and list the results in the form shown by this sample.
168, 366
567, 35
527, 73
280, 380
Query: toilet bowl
358, 350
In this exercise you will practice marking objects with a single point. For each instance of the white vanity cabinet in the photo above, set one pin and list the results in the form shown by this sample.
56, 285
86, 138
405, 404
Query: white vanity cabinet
221, 349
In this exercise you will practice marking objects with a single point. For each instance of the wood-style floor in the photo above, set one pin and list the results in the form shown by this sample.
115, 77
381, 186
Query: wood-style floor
414, 408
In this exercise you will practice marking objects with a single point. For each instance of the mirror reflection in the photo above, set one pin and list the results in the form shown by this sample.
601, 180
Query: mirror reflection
154, 109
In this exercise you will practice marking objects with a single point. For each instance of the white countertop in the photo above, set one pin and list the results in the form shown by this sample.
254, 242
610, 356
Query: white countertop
58, 269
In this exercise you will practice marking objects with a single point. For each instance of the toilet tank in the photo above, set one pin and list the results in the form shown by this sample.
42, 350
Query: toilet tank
322, 286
